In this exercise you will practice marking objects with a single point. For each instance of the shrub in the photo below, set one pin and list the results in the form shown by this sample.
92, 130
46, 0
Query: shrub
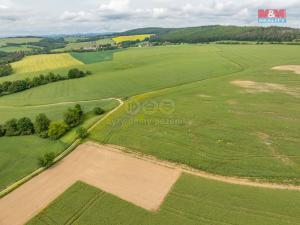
11, 128
82, 132
42, 125
75, 73
73, 116
98, 111
25, 126
57, 129
5, 70
2, 131
47, 160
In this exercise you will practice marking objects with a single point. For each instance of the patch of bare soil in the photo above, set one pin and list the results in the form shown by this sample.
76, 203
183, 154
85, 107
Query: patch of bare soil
294, 68
140, 182
261, 87
266, 139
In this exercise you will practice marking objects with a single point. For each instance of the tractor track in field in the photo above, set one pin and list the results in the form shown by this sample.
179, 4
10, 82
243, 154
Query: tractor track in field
58, 103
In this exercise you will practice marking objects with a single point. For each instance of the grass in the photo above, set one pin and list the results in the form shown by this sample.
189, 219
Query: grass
44, 62
140, 37
19, 154
54, 112
24, 48
219, 127
131, 72
78, 45
94, 57
4, 41
193, 200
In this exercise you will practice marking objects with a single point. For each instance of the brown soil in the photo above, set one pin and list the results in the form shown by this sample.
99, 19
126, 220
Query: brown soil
261, 87
138, 181
294, 68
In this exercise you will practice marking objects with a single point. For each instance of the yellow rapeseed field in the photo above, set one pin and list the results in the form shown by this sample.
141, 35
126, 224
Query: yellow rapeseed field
44, 62
140, 37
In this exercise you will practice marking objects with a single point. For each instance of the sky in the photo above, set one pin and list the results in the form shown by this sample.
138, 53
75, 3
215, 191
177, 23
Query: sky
44, 17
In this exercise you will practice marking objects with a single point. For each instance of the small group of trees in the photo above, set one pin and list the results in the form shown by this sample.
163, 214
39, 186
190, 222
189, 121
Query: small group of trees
15, 127
45, 128
10, 87
72, 118
5, 70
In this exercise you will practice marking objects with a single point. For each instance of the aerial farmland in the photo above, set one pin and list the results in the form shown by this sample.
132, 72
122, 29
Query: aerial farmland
190, 125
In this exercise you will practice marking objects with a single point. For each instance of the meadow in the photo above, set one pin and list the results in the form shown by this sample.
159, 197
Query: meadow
24, 48
44, 62
94, 57
193, 200
140, 37
4, 41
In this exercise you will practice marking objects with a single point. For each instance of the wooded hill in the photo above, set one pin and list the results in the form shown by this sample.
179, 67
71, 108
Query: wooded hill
219, 33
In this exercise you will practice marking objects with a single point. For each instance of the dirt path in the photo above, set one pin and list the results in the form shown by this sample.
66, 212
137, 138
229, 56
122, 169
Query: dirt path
140, 182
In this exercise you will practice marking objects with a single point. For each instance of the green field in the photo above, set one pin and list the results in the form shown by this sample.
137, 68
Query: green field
24, 48
4, 41
94, 57
78, 45
133, 71
225, 129
44, 62
19, 154
192, 201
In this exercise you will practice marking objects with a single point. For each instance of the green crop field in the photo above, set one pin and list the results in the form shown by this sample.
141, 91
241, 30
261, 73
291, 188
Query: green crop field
192, 201
24, 48
133, 71
78, 45
219, 127
94, 57
44, 62
4, 41
19, 154
223, 128
214, 131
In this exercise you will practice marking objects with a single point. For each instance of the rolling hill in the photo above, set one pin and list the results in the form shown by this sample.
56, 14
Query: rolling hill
219, 33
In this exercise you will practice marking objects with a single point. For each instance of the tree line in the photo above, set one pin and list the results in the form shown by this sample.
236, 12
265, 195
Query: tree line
205, 34
44, 127
10, 87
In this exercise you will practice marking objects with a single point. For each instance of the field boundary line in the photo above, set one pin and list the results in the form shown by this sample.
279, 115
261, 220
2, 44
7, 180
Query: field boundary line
58, 103
68, 150
196, 172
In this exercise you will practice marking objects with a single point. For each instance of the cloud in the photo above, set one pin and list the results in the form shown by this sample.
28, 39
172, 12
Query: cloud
117, 15
3, 7
80, 16
115, 6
